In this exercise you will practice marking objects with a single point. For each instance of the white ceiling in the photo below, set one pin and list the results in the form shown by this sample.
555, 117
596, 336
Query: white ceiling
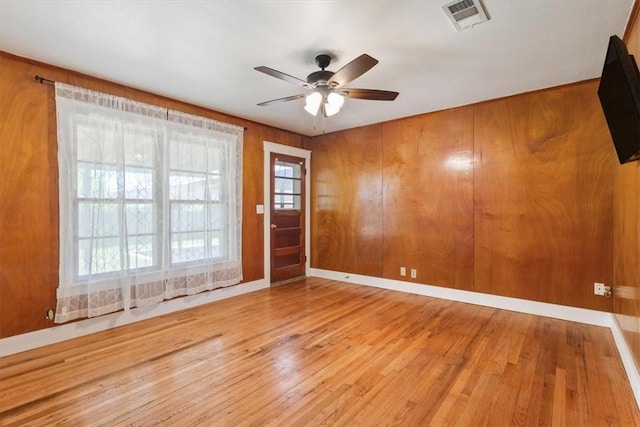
204, 52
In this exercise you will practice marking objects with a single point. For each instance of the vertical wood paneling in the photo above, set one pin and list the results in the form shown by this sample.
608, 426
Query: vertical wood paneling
28, 203
428, 198
626, 231
29, 187
543, 197
346, 201
533, 219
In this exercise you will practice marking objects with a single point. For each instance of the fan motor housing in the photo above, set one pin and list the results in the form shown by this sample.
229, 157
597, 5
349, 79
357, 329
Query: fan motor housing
319, 77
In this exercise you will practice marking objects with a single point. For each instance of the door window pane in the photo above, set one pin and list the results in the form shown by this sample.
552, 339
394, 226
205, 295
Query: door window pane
287, 170
287, 191
286, 201
287, 186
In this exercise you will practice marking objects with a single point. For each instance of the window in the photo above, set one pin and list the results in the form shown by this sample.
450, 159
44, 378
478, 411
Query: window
108, 193
287, 190
197, 199
150, 203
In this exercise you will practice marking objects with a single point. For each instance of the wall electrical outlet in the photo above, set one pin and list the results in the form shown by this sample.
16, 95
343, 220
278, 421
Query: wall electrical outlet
600, 289
414, 273
403, 271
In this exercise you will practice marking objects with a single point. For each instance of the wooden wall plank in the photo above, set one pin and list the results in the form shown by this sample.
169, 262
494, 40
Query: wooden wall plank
428, 198
346, 201
543, 197
29, 186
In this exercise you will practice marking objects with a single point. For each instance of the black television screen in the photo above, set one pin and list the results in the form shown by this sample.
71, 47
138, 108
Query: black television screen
619, 94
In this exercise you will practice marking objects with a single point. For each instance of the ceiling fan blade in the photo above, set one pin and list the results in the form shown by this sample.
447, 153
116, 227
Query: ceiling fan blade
285, 99
352, 70
370, 94
282, 76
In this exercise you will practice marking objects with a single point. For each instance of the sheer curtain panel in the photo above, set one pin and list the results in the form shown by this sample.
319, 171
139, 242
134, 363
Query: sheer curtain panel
150, 203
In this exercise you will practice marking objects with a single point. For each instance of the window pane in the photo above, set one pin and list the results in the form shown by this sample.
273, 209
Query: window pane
287, 170
140, 146
138, 184
218, 246
140, 218
217, 159
97, 181
140, 250
214, 188
183, 186
197, 217
286, 201
96, 140
188, 153
217, 215
98, 219
187, 217
187, 247
98, 256
289, 186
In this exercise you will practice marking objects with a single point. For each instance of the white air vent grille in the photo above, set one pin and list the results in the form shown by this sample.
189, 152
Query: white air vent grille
463, 9
465, 13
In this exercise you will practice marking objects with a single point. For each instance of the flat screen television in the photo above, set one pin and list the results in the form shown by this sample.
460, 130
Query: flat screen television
619, 94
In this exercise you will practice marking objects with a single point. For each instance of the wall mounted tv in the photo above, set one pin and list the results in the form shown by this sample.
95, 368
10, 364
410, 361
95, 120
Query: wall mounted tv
619, 94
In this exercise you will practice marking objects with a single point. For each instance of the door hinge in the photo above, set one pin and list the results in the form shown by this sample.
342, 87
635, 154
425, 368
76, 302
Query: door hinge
305, 258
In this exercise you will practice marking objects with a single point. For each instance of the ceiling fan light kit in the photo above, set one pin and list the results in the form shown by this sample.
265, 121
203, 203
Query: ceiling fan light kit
330, 103
313, 101
327, 89
333, 103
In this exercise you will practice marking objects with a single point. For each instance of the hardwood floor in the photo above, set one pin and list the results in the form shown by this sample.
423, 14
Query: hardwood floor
324, 352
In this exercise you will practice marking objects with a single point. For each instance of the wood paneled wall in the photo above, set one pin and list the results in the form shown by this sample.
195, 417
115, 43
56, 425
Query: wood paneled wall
29, 187
346, 201
626, 229
543, 216
428, 198
511, 197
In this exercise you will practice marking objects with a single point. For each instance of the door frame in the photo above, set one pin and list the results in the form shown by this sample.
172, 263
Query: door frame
272, 147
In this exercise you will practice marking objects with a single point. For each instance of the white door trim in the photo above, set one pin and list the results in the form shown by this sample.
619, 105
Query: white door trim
272, 147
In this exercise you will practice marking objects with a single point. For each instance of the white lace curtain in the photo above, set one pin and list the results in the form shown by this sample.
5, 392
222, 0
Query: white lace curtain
150, 203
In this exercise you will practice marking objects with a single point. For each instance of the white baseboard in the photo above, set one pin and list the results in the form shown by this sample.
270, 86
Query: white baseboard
627, 358
581, 315
35, 339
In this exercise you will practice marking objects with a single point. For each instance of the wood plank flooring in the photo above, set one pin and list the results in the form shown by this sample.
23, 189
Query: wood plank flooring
324, 352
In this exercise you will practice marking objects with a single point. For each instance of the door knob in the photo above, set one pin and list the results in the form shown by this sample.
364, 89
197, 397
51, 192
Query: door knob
274, 226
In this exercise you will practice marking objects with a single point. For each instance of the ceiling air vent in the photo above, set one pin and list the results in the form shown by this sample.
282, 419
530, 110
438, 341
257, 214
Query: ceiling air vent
465, 13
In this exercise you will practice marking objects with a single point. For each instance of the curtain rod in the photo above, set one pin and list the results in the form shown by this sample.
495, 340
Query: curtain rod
43, 80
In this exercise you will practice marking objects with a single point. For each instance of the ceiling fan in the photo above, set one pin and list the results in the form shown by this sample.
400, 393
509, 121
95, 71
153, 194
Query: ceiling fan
327, 88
